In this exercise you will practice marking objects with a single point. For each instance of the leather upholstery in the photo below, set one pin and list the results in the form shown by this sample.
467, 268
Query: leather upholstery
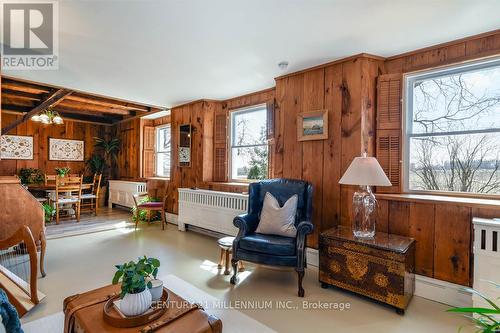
268, 244
269, 249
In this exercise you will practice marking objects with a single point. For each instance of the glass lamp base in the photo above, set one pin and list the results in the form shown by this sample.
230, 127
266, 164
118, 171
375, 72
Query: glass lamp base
365, 210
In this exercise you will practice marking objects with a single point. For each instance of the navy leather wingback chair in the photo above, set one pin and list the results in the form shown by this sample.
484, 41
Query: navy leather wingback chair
270, 249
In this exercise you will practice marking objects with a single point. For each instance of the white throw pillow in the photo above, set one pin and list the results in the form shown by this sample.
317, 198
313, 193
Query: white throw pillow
276, 220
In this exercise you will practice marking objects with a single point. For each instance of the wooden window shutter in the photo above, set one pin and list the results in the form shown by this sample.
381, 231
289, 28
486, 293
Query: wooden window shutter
270, 119
389, 140
220, 147
148, 157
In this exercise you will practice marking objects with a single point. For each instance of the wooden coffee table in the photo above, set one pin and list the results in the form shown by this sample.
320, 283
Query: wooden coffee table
83, 313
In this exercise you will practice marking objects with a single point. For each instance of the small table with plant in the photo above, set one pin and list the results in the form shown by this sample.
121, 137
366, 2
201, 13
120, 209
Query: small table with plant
136, 286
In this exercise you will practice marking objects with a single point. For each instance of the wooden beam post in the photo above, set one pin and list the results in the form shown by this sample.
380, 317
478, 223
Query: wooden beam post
52, 100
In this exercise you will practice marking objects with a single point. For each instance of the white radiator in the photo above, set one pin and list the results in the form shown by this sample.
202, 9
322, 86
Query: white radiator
211, 210
121, 192
486, 259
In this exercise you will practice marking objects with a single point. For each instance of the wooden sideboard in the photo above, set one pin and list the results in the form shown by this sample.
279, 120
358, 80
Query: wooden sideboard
381, 268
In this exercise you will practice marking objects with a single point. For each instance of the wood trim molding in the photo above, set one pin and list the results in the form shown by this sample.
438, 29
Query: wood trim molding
441, 199
327, 64
445, 44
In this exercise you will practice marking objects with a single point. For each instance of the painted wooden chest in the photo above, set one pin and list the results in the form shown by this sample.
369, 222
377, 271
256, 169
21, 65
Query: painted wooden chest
381, 268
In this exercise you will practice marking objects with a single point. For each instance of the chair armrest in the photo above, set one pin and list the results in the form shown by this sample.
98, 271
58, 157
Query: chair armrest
304, 228
247, 223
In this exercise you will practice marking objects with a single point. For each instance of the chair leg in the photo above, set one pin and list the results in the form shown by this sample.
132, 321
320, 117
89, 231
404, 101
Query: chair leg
43, 245
78, 212
300, 273
221, 261
136, 218
226, 271
234, 262
163, 221
57, 213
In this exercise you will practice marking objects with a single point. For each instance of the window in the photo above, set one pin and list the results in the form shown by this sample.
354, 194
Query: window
248, 144
452, 130
162, 151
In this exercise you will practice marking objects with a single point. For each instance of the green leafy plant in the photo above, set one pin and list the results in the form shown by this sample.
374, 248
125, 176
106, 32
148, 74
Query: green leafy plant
61, 172
486, 320
96, 164
143, 214
136, 276
49, 212
30, 176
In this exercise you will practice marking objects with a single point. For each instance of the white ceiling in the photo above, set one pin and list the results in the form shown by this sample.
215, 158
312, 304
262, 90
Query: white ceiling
172, 51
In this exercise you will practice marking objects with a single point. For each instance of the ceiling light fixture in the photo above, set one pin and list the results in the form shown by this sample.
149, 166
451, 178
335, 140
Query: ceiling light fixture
47, 117
283, 65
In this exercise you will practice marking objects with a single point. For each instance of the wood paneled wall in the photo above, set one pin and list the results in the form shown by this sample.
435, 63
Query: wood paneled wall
129, 161
41, 134
443, 231
346, 90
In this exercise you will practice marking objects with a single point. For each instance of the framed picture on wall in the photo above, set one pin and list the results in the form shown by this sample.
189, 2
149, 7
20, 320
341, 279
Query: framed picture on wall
66, 150
16, 147
312, 125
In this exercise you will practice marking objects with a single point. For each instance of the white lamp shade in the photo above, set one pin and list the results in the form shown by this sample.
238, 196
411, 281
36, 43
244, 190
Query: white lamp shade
365, 171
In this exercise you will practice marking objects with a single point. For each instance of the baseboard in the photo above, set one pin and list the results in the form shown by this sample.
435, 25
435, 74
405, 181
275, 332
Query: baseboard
442, 291
312, 257
172, 218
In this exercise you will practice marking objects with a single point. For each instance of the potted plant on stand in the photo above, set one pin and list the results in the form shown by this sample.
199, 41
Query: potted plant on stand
135, 278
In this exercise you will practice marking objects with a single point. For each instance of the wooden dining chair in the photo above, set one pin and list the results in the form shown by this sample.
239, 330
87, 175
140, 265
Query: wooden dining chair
48, 179
68, 192
151, 206
90, 201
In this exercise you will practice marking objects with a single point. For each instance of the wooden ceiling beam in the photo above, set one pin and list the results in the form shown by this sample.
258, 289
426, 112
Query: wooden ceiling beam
25, 87
21, 94
52, 100
93, 108
103, 102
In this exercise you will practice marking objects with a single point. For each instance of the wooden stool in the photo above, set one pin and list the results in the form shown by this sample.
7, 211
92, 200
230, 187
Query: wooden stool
226, 250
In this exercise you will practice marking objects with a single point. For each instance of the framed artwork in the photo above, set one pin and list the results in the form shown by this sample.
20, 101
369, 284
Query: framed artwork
312, 125
185, 132
66, 150
16, 147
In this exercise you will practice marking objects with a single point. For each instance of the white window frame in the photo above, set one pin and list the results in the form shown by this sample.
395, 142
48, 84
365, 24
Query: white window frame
157, 137
231, 139
409, 80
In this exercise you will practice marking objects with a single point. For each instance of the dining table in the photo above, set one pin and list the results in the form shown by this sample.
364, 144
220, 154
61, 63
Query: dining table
52, 187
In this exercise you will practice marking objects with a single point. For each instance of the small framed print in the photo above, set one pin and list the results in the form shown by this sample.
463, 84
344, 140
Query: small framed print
312, 125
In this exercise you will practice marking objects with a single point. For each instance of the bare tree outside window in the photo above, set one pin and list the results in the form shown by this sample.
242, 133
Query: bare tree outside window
453, 130
249, 150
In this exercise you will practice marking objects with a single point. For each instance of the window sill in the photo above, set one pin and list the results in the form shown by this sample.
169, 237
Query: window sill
426, 198
158, 178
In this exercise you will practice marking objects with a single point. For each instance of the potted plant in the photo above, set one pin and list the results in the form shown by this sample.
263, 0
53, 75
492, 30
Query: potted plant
108, 151
61, 172
30, 176
48, 211
135, 278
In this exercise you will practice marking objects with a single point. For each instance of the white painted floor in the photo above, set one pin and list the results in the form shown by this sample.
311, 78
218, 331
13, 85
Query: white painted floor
80, 263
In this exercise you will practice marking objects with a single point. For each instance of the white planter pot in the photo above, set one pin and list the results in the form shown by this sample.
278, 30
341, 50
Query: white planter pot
136, 304
157, 289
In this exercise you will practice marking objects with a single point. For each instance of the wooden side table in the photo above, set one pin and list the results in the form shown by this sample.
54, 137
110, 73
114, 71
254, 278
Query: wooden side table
381, 268
226, 250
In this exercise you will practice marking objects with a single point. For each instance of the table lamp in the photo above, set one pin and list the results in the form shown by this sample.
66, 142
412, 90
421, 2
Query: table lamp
365, 172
